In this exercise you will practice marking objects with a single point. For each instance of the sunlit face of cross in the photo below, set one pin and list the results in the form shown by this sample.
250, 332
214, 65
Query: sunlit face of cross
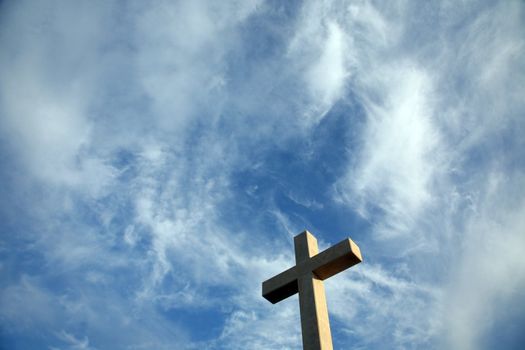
306, 278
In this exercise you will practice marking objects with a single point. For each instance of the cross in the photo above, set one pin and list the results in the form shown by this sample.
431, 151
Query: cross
306, 278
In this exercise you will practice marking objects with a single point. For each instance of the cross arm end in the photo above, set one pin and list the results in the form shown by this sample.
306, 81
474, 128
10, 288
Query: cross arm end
338, 258
280, 286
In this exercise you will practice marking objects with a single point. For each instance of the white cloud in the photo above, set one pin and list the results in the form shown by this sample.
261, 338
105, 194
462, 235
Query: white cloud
372, 298
74, 342
46, 99
158, 242
400, 151
327, 76
181, 63
434, 132
25, 306
319, 51
490, 273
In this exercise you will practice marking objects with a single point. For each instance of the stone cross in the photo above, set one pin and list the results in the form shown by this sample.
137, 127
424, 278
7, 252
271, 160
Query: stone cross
306, 278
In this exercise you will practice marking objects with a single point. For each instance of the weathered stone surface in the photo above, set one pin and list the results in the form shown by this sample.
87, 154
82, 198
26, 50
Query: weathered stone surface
306, 278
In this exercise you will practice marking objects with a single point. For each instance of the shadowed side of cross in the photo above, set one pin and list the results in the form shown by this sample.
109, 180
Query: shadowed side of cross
306, 278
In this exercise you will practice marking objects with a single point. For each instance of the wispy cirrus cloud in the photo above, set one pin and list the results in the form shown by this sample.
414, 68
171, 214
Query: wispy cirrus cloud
163, 156
429, 151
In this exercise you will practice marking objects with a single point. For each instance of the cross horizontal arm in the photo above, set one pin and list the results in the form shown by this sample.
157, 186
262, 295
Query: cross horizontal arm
281, 286
336, 259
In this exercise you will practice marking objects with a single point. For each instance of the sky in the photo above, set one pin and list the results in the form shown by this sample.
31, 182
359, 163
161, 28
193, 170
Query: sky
158, 157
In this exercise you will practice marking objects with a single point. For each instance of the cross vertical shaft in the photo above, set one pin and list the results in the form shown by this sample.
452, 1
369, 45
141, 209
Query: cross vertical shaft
315, 325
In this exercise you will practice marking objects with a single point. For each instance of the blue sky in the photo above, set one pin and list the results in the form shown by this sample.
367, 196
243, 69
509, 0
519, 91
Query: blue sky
157, 158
